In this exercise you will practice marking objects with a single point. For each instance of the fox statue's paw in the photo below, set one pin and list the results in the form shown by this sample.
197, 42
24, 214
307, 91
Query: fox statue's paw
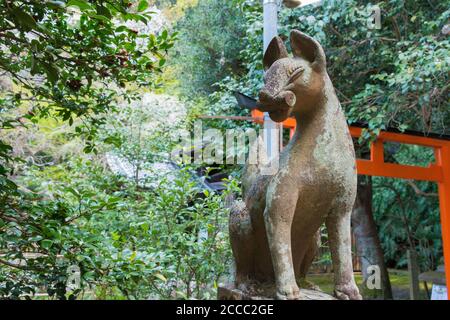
288, 292
347, 292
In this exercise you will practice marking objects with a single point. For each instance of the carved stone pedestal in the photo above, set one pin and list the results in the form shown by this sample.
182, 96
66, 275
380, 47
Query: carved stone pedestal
228, 292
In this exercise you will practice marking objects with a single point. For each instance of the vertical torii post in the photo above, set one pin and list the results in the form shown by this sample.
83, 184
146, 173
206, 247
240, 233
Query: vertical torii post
272, 131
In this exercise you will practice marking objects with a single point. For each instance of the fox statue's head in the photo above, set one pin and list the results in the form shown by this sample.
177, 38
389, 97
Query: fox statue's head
293, 85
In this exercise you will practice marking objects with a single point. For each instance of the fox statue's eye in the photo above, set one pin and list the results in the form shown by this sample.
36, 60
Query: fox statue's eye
294, 72
291, 70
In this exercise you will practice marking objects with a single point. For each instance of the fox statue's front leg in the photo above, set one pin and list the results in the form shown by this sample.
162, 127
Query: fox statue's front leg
278, 216
338, 226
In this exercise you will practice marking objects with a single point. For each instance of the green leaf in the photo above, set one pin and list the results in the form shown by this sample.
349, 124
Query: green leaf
133, 256
46, 244
115, 236
135, 17
103, 11
160, 277
24, 18
34, 66
145, 227
164, 34
82, 4
56, 4
35, 238
52, 72
121, 29
114, 140
99, 17
143, 4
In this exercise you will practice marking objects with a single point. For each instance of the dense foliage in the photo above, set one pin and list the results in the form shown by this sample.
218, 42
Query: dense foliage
127, 242
62, 62
205, 53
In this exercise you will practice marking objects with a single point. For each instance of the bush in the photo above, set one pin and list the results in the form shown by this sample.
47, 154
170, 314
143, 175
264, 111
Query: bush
127, 242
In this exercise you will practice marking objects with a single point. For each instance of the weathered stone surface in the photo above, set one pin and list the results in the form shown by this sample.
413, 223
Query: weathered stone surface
225, 292
274, 229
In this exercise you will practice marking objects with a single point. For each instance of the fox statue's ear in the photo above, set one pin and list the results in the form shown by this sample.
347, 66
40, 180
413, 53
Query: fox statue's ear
276, 50
307, 48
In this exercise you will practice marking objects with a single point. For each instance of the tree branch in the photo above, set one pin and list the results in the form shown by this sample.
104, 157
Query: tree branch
420, 192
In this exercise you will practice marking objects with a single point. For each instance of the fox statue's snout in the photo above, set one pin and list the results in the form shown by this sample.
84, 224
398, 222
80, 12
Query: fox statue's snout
279, 106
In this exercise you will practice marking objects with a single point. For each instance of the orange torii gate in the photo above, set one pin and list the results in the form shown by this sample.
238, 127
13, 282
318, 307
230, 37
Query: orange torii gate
439, 171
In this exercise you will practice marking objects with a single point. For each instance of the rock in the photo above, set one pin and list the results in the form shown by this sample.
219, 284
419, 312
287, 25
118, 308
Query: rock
228, 292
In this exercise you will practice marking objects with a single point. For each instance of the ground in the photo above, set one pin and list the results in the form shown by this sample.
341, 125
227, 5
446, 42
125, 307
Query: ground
399, 282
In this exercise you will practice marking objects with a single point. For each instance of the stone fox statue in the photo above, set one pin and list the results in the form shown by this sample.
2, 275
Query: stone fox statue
274, 230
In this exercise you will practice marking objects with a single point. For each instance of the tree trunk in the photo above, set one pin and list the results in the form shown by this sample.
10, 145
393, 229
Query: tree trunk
365, 231
413, 268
